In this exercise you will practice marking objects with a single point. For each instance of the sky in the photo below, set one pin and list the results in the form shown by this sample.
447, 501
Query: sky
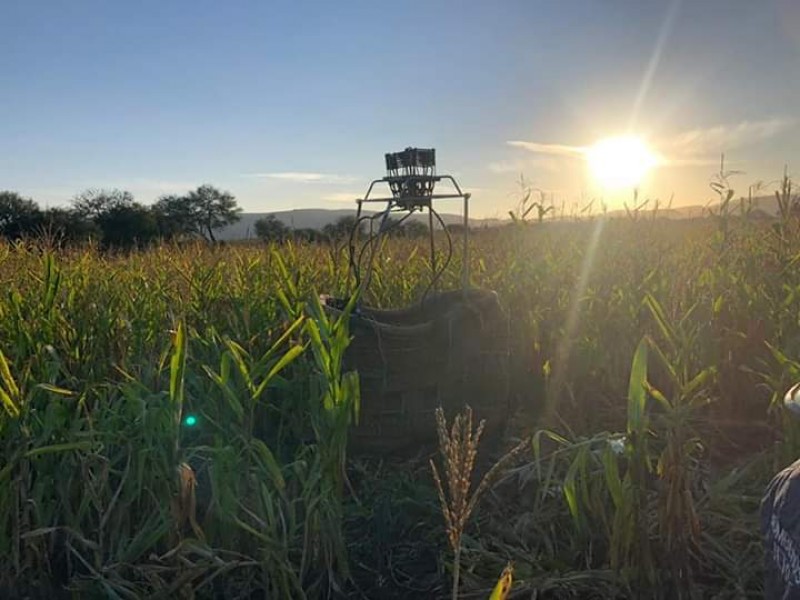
293, 104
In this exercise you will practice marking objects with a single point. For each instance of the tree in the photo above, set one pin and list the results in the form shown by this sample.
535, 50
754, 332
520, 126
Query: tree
308, 234
415, 229
392, 227
125, 225
213, 209
455, 228
121, 221
92, 203
269, 228
342, 227
68, 225
18, 216
175, 217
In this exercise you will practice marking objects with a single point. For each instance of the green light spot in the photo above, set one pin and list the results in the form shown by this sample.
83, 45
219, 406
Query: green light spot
190, 421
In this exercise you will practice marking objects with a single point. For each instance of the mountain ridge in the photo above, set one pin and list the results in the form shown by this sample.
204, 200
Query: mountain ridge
317, 218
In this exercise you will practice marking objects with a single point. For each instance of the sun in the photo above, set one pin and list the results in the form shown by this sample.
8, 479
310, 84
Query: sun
619, 163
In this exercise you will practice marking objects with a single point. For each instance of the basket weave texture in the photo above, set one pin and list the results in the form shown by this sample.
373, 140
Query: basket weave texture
449, 351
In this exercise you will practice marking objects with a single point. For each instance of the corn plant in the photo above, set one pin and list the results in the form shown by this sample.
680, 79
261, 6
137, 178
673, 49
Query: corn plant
174, 420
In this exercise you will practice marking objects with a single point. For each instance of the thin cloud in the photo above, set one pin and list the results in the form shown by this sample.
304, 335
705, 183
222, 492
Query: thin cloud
677, 161
555, 149
543, 163
305, 177
721, 138
696, 147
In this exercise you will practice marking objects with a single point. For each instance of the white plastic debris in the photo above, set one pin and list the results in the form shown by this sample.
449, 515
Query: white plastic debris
792, 400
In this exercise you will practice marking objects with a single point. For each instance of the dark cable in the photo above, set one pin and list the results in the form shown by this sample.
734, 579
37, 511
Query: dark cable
440, 272
375, 236
351, 248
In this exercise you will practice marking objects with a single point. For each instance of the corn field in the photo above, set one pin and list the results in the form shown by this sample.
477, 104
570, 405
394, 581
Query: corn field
175, 420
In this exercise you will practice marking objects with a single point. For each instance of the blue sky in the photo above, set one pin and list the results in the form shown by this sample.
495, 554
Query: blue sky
292, 104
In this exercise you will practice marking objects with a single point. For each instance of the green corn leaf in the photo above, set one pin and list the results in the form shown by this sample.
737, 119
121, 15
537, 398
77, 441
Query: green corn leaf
699, 380
571, 487
611, 471
285, 336
269, 462
57, 448
665, 362
227, 392
237, 353
11, 407
282, 363
658, 396
657, 311
8, 380
55, 390
177, 366
637, 394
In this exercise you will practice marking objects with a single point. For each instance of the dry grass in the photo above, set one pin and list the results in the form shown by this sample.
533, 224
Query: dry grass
459, 448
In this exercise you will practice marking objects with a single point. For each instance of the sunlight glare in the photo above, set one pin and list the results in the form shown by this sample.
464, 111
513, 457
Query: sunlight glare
620, 162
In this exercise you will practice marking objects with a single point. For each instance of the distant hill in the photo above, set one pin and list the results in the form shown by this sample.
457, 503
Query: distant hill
764, 204
762, 207
317, 218
681, 212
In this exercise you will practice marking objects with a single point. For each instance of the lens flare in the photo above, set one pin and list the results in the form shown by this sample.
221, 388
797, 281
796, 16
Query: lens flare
619, 163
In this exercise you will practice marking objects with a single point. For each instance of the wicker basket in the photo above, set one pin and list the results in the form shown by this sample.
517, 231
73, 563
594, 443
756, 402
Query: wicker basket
449, 351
